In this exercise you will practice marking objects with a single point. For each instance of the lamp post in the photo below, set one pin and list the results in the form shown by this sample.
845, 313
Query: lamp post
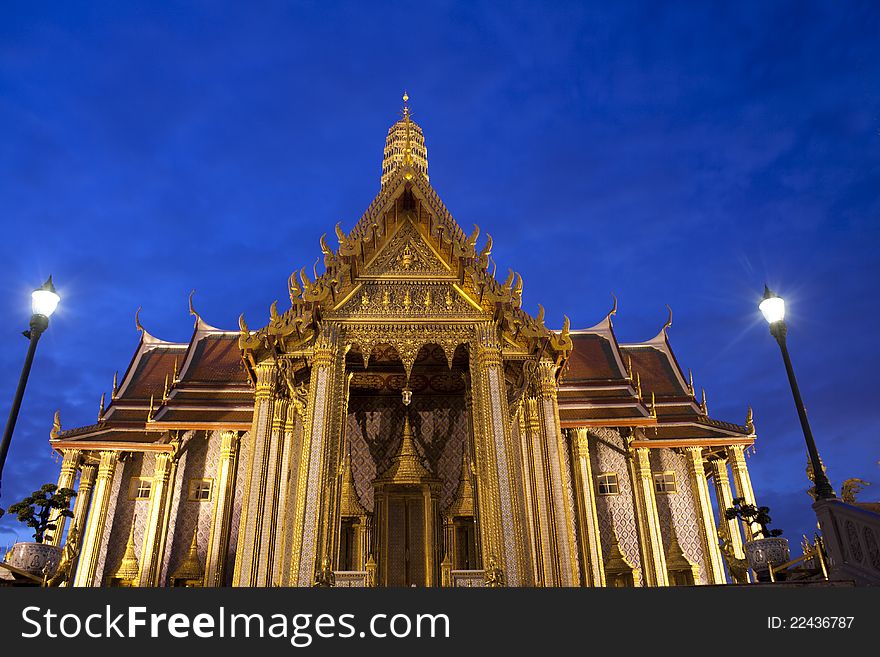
773, 309
44, 300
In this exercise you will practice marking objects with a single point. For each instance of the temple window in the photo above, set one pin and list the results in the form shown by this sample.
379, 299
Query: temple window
139, 488
200, 490
664, 482
607, 484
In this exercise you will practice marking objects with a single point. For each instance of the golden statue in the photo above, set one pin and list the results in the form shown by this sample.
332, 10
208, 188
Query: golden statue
325, 576
69, 554
850, 488
738, 568
494, 574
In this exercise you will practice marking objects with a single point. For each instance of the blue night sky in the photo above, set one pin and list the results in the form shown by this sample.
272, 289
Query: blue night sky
680, 155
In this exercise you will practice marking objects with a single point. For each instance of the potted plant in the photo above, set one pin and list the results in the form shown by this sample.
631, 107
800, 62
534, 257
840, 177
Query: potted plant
37, 511
766, 548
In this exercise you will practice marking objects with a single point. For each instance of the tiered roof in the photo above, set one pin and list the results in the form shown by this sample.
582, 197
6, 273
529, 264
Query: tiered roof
608, 384
205, 382
200, 384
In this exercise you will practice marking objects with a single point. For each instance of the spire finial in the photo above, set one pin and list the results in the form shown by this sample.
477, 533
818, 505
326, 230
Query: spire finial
668, 323
192, 310
404, 147
56, 426
407, 152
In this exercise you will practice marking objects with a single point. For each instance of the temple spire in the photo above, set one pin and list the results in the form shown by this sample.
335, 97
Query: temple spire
405, 146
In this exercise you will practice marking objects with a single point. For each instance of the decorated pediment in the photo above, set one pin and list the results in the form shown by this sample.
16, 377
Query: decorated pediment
407, 255
412, 300
408, 259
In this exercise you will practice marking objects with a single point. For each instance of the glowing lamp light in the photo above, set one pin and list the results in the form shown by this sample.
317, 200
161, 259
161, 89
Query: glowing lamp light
772, 306
44, 300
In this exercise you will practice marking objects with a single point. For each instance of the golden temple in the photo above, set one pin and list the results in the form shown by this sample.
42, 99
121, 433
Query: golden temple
404, 422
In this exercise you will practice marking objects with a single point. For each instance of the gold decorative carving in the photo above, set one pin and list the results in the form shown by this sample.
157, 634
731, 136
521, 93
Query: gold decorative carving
191, 567
407, 339
128, 569
407, 254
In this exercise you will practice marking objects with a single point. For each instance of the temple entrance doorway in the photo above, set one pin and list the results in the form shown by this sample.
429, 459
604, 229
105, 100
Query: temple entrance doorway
407, 518
405, 530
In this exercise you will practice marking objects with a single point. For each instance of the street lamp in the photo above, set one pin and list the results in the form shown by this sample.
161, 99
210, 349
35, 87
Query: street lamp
44, 300
773, 309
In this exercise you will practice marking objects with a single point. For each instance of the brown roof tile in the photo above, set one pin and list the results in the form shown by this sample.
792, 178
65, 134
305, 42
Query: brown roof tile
592, 359
656, 372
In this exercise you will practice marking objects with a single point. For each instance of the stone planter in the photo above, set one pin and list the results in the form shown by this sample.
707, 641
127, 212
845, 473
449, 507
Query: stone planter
763, 552
34, 558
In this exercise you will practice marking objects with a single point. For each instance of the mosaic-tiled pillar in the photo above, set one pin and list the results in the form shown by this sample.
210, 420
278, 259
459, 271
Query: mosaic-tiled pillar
729, 528
559, 488
594, 567
319, 460
66, 479
470, 451
650, 537
503, 532
705, 517
87, 473
742, 484
528, 430
221, 520
155, 529
94, 529
256, 547
539, 510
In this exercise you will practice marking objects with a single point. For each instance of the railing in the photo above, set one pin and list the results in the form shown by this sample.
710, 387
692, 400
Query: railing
852, 539
468, 578
352, 579
813, 564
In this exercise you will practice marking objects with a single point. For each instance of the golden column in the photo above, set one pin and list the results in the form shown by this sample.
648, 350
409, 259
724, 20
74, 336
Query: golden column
254, 553
591, 546
471, 455
221, 519
538, 509
362, 533
94, 529
558, 480
331, 508
318, 463
153, 545
742, 483
503, 532
87, 472
705, 517
449, 552
66, 479
650, 538
273, 494
730, 528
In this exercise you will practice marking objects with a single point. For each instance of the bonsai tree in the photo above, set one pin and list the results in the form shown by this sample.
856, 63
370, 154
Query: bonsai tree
36, 508
751, 514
